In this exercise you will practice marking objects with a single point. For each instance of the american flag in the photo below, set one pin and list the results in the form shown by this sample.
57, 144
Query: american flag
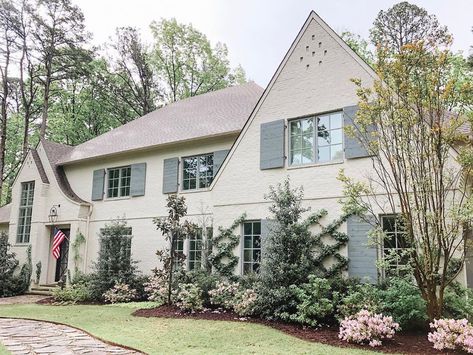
59, 237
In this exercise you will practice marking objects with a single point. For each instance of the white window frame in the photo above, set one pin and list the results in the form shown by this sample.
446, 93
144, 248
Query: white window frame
315, 145
23, 232
396, 234
252, 248
120, 182
198, 174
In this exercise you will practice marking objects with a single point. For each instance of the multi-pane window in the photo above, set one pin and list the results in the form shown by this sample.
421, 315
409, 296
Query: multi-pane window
395, 244
179, 252
195, 250
119, 182
251, 246
198, 171
26, 211
316, 139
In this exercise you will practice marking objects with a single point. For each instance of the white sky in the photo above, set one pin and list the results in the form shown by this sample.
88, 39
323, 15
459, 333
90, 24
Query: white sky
259, 32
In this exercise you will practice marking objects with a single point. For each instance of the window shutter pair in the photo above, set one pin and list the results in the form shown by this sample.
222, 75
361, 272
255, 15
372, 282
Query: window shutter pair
272, 139
137, 182
171, 170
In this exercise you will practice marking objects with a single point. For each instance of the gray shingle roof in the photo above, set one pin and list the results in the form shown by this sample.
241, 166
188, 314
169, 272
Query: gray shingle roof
211, 114
54, 152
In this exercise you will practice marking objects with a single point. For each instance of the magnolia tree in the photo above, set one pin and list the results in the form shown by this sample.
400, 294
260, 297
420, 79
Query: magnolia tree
412, 122
173, 230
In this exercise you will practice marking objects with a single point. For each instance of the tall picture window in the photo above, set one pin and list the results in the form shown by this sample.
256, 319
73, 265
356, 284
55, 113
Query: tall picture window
251, 247
25, 213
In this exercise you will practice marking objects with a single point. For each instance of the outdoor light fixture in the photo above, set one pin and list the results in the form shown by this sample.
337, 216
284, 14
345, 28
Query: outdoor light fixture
53, 214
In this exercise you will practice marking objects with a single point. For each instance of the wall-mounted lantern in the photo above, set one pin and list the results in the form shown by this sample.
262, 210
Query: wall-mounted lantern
53, 215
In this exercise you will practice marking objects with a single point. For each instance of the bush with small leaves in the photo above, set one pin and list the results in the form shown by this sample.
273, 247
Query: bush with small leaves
78, 292
189, 298
245, 302
157, 287
357, 297
452, 334
366, 327
315, 302
223, 295
120, 293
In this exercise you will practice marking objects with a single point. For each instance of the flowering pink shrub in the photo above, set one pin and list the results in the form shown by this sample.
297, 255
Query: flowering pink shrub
223, 295
245, 302
366, 327
120, 293
452, 334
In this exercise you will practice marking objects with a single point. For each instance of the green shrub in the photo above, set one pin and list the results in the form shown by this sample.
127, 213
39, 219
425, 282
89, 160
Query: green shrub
189, 298
114, 263
315, 302
458, 302
202, 279
78, 292
359, 296
11, 282
245, 302
120, 293
402, 300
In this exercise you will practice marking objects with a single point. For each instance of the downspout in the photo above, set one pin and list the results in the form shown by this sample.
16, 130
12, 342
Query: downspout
87, 223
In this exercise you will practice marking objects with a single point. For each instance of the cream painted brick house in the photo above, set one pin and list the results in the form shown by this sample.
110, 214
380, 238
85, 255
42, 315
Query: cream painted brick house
220, 150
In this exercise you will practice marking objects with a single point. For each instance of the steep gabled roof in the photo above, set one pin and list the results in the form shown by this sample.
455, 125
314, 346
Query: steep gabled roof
212, 114
55, 152
313, 16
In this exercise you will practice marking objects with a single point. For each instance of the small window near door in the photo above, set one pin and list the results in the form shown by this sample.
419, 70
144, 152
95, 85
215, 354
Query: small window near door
25, 213
395, 246
119, 182
251, 247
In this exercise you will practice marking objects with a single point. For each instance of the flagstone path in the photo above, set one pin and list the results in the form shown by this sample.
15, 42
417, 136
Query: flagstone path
21, 336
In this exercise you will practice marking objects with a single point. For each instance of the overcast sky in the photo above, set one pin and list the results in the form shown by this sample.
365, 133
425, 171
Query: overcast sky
259, 32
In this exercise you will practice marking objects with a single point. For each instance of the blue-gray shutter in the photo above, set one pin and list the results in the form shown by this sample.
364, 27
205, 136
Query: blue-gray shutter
170, 175
353, 147
98, 183
138, 179
219, 157
362, 256
272, 145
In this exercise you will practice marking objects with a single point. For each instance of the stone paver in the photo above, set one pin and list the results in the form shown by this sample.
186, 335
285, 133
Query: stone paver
21, 336
23, 299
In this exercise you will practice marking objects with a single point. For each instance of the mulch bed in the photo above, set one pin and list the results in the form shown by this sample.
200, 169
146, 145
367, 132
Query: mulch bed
403, 343
50, 301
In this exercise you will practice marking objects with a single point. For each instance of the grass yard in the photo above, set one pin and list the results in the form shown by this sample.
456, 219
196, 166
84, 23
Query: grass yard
3, 351
177, 336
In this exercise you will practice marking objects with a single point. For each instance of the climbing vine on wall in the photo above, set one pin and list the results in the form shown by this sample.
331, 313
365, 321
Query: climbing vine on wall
76, 246
222, 257
325, 251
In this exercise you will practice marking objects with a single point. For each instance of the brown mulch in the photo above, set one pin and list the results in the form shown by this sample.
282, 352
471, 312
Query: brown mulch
403, 343
51, 302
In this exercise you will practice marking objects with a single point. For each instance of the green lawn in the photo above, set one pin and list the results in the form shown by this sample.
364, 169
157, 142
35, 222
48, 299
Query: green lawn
165, 336
3, 351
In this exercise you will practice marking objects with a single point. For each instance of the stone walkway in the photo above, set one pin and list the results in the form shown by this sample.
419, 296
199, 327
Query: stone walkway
21, 336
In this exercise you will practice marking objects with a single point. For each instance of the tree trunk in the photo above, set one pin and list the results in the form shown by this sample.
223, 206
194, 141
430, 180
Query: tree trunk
4, 113
171, 267
42, 132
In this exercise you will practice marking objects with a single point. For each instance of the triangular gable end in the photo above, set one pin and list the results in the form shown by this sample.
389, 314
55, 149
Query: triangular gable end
312, 57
